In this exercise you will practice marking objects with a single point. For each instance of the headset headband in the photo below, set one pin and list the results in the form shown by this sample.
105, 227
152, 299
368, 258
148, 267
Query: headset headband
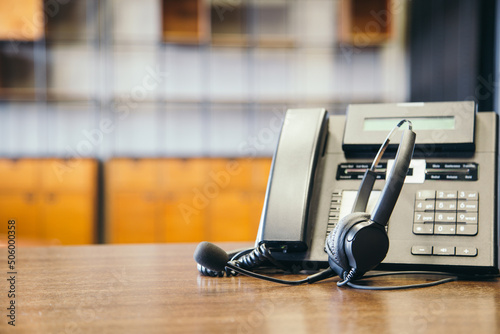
394, 180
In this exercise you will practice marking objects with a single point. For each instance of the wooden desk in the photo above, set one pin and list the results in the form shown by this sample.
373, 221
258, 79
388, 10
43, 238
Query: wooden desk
156, 288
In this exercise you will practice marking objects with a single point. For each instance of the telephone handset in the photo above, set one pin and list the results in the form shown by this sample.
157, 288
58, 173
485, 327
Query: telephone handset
291, 181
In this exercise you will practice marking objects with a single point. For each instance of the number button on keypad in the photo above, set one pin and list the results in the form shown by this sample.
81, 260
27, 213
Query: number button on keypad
446, 205
446, 194
423, 217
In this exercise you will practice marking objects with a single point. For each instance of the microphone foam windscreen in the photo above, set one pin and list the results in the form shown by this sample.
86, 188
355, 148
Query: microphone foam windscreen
211, 256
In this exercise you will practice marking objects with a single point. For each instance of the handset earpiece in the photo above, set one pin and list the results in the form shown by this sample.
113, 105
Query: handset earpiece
359, 242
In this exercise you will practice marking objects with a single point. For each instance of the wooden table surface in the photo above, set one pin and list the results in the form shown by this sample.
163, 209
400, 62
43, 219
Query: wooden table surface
156, 289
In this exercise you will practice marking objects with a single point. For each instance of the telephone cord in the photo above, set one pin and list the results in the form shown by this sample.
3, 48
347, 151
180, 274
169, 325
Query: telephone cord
247, 259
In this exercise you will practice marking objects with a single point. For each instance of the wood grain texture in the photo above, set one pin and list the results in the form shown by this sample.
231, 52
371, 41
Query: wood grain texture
156, 289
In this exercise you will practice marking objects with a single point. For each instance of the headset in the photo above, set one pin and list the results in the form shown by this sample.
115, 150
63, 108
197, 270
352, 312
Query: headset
359, 241
357, 244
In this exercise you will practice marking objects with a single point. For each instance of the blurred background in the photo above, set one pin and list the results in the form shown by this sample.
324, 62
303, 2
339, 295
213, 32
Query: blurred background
125, 121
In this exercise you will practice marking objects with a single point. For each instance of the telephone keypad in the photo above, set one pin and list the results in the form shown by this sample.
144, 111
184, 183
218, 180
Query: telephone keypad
445, 212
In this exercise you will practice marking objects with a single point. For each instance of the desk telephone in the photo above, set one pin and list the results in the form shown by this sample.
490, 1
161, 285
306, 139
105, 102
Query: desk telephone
445, 218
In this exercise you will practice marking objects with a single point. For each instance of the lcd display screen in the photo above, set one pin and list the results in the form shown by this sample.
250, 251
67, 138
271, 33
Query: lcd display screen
419, 123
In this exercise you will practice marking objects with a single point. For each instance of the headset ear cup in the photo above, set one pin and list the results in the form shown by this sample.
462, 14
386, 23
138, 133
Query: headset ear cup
335, 240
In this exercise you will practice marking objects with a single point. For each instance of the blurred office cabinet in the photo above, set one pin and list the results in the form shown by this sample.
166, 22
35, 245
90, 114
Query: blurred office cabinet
184, 200
275, 24
261, 23
21, 25
131, 204
366, 22
17, 71
184, 21
72, 21
21, 20
52, 200
229, 23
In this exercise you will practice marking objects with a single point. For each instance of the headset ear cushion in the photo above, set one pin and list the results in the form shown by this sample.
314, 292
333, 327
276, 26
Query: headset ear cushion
335, 241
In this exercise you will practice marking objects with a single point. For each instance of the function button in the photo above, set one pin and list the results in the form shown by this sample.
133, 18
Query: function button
421, 250
466, 229
423, 217
334, 208
448, 217
466, 251
446, 229
336, 193
446, 194
467, 206
442, 205
468, 195
468, 218
425, 194
423, 228
443, 250
333, 214
332, 222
